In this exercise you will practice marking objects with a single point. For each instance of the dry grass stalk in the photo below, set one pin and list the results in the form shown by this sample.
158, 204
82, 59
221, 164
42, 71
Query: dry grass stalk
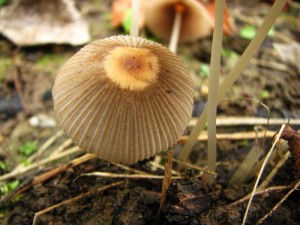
261, 171
296, 186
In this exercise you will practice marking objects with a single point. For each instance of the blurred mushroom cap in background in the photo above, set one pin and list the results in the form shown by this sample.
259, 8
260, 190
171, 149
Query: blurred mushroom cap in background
36, 22
196, 22
123, 98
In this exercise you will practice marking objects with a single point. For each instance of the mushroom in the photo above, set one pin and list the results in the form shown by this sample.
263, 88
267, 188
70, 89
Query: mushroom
123, 98
178, 20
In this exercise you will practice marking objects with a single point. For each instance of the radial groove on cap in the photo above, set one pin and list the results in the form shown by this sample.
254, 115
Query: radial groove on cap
119, 124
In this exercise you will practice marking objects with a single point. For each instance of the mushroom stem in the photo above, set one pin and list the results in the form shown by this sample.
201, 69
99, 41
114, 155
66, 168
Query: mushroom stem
134, 26
213, 88
234, 73
167, 177
176, 28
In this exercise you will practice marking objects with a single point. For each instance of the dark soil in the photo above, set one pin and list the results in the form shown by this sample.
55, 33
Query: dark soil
189, 201
91, 200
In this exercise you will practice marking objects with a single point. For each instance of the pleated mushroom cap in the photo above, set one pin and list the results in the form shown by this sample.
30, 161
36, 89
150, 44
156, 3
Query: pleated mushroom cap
196, 21
123, 98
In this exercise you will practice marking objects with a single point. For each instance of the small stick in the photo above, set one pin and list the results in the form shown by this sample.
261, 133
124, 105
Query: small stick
260, 192
68, 201
167, 177
17, 82
46, 145
296, 186
202, 169
244, 135
274, 171
127, 168
14, 173
129, 176
179, 9
43, 177
249, 121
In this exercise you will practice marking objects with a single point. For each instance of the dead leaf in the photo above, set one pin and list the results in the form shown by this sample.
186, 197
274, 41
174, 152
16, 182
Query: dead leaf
289, 53
35, 22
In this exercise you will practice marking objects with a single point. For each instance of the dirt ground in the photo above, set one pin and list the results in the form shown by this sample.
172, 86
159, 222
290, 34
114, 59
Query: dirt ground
62, 190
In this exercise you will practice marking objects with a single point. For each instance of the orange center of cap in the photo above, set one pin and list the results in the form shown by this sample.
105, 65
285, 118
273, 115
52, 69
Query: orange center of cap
131, 68
179, 7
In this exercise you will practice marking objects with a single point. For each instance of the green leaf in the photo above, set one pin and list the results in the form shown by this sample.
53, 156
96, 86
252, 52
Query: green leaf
8, 187
204, 70
5, 64
249, 31
3, 165
2, 3
126, 23
28, 148
271, 32
264, 94
229, 54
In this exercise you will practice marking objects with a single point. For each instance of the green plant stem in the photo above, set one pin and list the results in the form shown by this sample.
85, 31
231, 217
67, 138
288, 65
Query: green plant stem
212, 101
235, 73
134, 27
175, 32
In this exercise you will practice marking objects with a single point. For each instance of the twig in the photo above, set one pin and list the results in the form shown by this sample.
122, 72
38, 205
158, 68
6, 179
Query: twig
129, 168
62, 147
156, 165
43, 177
18, 84
46, 145
296, 186
202, 169
274, 171
36, 215
260, 172
15, 173
245, 135
37, 154
129, 176
249, 121
260, 192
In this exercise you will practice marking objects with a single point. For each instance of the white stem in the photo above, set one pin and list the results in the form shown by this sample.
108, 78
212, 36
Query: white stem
134, 26
175, 32
213, 88
235, 73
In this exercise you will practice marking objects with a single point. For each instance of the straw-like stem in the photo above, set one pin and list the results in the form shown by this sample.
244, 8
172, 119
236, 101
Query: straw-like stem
212, 102
175, 32
235, 73
134, 26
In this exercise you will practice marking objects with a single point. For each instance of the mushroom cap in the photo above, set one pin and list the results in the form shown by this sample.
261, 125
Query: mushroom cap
123, 98
196, 22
